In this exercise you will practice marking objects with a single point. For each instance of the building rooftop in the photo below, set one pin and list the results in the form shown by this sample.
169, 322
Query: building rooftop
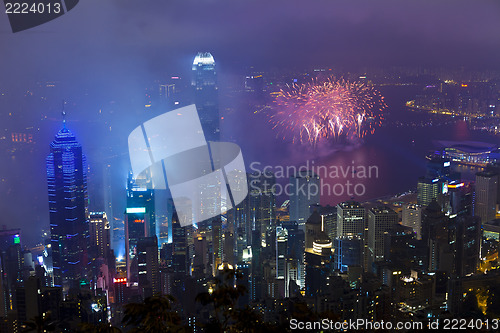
495, 223
203, 58
350, 205
315, 218
382, 210
471, 147
487, 174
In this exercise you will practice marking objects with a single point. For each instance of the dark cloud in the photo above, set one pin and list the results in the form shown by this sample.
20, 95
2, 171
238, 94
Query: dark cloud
129, 38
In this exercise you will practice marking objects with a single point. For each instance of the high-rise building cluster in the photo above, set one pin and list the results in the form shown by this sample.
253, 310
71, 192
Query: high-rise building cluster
414, 258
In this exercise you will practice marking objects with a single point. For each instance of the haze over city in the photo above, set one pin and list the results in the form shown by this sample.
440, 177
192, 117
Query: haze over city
390, 108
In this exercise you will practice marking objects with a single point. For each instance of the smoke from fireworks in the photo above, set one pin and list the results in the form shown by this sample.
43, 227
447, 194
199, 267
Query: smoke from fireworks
315, 111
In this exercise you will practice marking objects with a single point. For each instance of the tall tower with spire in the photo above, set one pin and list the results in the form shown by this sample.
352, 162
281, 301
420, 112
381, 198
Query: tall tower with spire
67, 189
204, 84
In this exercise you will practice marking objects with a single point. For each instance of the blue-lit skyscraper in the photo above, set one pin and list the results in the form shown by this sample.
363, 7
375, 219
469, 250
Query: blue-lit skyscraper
348, 251
204, 84
67, 187
140, 194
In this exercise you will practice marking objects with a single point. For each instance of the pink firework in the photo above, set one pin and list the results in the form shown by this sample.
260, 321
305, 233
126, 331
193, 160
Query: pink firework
317, 111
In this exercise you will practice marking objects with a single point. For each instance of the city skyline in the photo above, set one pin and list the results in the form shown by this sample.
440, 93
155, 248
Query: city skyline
365, 133
319, 155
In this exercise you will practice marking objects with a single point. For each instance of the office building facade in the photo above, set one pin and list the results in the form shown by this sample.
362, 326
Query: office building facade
67, 188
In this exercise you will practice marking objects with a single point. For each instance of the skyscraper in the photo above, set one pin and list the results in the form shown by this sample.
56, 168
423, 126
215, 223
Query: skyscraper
262, 202
439, 167
435, 234
140, 195
412, 217
217, 245
428, 189
136, 222
281, 251
240, 216
314, 226
304, 192
67, 187
318, 265
486, 195
461, 198
10, 266
329, 215
180, 246
204, 84
352, 223
348, 252
295, 253
148, 266
350, 219
100, 233
465, 240
380, 220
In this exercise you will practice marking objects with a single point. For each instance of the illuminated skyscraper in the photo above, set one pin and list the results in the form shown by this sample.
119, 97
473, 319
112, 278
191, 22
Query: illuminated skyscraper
67, 187
100, 233
242, 226
295, 269
352, 223
380, 220
281, 251
304, 192
461, 198
351, 218
329, 223
412, 217
314, 226
10, 266
348, 252
148, 266
136, 222
319, 265
139, 194
428, 189
204, 84
217, 245
9, 237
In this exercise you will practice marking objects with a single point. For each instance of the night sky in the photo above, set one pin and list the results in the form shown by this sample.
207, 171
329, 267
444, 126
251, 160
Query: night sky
129, 37
110, 50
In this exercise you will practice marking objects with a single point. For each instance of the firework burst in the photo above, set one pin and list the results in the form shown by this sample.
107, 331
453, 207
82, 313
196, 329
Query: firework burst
318, 111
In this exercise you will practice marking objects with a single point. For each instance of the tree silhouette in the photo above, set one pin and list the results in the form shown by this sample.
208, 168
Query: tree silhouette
223, 298
247, 320
154, 315
101, 328
39, 324
493, 302
470, 308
